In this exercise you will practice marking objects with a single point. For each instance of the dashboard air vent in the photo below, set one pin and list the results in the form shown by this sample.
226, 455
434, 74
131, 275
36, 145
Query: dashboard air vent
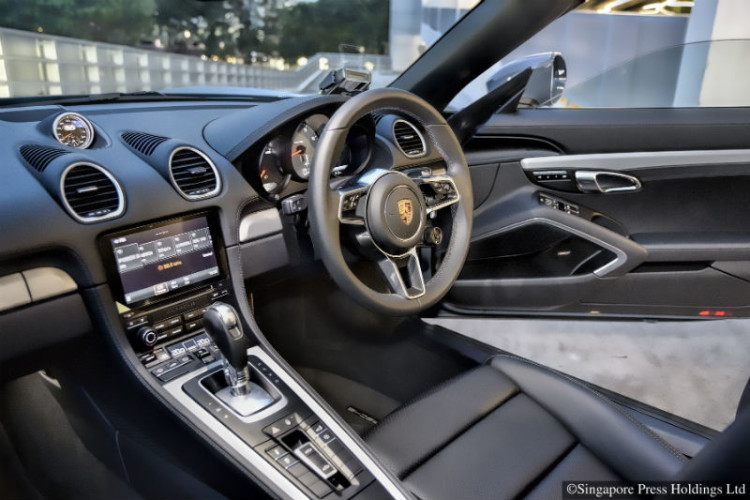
193, 174
408, 138
39, 157
142, 142
90, 193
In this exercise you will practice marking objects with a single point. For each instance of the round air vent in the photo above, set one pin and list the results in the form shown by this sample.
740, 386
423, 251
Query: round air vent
90, 193
194, 176
408, 138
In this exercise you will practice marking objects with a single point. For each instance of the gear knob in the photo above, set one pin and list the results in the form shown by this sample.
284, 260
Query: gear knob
223, 326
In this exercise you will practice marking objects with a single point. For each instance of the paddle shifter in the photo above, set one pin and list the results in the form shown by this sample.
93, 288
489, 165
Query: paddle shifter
222, 324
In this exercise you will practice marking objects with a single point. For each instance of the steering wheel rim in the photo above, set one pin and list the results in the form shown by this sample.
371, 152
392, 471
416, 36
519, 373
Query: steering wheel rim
324, 203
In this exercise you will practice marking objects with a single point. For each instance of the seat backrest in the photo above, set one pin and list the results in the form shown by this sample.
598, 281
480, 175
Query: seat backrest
725, 459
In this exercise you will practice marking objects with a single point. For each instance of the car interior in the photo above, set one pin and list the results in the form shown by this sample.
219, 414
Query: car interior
224, 297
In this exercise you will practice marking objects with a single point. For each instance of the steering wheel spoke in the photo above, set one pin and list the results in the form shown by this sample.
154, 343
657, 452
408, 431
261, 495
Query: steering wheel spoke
351, 205
403, 274
439, 191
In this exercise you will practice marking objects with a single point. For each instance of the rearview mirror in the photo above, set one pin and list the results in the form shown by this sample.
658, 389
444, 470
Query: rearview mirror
547, 81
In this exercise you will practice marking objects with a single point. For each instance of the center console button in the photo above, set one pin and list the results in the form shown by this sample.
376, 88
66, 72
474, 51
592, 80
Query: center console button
282, 425
277, 452
159, 326
287, 461
148, 358
202, 340
177, 350
133, 323
312, 457
327, 436
174, 332
193, 325
204, 355
191, 315
161, 354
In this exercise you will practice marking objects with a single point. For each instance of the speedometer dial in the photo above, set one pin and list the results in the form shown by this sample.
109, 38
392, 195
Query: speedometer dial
269, 167
304, 142
74, 130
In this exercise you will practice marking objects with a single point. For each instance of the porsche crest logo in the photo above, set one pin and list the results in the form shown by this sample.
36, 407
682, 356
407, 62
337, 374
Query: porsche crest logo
405, 211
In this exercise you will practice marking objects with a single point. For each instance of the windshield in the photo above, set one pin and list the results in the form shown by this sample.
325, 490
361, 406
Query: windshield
69, 47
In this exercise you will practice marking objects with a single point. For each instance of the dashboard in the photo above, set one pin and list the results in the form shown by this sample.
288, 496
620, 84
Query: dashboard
87, 189
133, 219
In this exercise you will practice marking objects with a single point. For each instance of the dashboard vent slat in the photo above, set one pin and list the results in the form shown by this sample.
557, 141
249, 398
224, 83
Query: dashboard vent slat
90, 193
39, 157
408, 138
142, 142
193, 174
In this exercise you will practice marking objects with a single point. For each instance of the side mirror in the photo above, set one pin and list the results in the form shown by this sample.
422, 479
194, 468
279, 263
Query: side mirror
547, 81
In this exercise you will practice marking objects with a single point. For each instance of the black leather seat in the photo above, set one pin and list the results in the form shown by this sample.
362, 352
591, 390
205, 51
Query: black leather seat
514, 429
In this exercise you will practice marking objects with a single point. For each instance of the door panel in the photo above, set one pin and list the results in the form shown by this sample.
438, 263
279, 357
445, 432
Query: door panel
671, 239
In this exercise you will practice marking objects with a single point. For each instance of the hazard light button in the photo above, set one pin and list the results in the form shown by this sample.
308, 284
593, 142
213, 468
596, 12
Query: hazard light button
282, 425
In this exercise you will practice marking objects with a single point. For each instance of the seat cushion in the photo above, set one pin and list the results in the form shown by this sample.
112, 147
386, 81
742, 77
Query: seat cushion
514, 429
415, 432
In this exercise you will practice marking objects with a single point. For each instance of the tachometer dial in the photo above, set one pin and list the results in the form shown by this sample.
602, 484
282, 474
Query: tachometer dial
304, 142
74, 130
269, 167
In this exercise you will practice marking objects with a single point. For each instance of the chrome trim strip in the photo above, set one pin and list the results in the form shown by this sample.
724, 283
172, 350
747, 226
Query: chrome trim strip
252, 460
85, 120
90, 220
635, 161
254, 417
421, 138
589, 176
260, 224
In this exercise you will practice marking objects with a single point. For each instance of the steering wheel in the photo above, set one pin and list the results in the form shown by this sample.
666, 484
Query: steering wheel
391, 211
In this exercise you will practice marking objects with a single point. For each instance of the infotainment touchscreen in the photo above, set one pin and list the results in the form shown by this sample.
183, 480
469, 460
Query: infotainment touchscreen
161, 258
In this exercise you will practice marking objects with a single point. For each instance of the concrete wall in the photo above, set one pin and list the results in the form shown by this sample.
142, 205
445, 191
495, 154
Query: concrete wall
36, 64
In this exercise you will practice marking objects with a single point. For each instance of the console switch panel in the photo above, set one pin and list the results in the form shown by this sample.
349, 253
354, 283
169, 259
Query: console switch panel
314, 460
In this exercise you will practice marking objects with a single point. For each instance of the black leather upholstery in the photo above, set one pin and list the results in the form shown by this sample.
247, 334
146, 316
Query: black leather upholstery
726, 459
514, 429
627, 446
439, 416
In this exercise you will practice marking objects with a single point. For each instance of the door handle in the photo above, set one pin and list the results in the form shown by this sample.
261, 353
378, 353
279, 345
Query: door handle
592, 181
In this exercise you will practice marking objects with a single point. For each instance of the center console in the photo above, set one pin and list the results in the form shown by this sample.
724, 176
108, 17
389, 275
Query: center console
164, 275
168, 277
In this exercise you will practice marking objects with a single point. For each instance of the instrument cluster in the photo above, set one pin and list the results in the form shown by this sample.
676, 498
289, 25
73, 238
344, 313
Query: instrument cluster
286, 157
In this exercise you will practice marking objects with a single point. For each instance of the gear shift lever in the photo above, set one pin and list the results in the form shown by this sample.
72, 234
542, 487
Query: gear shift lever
222, 324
